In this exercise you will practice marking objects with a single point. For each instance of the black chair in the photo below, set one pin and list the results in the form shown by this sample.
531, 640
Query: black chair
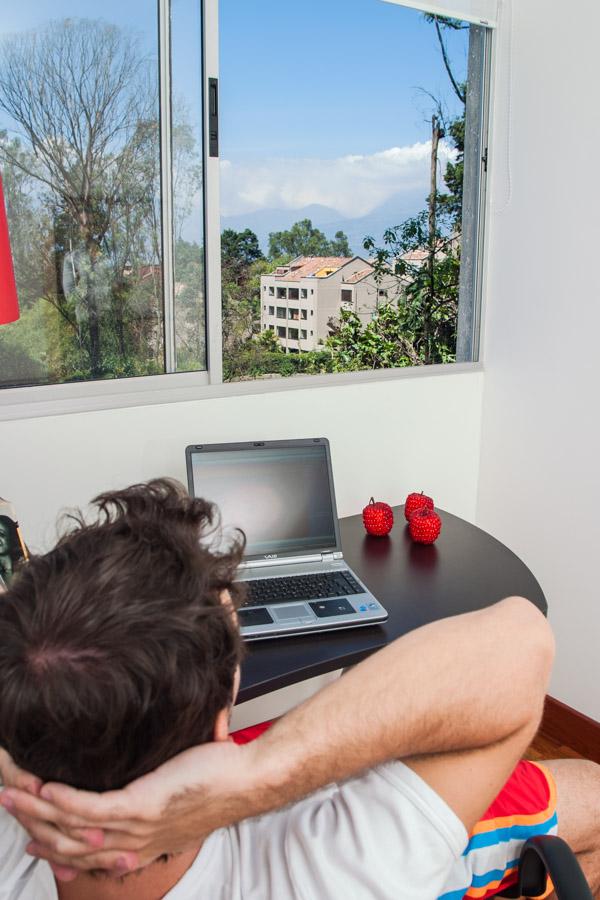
549, 855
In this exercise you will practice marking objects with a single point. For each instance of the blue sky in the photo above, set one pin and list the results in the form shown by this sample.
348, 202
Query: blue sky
320, 100
334, 76
322, 103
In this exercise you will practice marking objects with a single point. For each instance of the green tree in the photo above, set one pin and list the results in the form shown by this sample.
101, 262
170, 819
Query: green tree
78, 91
339, 245
385, 342
424, 251
239, 249
242, 265
303, 239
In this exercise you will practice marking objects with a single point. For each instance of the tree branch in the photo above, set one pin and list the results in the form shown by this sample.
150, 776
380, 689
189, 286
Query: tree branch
460, 94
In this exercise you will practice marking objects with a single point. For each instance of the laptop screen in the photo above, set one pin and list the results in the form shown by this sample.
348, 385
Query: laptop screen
280, 497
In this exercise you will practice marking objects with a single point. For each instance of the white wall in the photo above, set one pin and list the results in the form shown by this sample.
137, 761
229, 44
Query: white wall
387, 438
539, 486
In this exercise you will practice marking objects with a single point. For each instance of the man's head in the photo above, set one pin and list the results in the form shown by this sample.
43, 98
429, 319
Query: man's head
117, 651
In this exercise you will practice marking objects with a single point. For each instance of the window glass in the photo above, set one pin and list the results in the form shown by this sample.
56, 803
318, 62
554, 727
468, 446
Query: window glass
366, 203
188, 218
84, 181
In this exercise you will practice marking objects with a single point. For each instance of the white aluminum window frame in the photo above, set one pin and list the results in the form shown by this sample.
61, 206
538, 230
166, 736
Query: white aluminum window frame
61, 399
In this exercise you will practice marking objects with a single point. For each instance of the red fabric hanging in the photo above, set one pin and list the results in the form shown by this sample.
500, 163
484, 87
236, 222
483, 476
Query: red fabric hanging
9, 306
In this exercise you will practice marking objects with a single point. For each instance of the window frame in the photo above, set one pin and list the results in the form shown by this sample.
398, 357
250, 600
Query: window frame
76, 397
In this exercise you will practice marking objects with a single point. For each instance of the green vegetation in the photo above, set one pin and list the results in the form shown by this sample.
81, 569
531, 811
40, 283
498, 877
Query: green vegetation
84, 208
85, 227
417, 327
304, 240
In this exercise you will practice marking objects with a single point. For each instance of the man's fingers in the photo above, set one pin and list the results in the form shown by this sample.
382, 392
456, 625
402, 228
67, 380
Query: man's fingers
24, 804
56, 842
118, 863
13, 776
64, 873
93, 837
107, 810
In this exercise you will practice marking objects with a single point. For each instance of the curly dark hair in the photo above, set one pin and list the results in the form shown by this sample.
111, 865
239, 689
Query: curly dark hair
117, 650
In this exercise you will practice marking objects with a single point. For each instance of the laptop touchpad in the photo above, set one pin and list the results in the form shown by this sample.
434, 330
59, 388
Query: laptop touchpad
291, 612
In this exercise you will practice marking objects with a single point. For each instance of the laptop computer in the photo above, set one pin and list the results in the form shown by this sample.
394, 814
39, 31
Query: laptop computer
281, 494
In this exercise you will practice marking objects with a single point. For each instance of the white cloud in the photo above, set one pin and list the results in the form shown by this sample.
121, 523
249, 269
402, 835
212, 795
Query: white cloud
352, 185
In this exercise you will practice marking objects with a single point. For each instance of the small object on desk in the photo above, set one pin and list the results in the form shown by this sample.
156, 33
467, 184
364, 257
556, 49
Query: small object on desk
378, 518
12, 547
424, 526
416, 501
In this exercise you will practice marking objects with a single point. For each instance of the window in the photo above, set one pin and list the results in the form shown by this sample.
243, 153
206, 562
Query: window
390, 291
106, 223
303, 333
293, 334
112, 279
281, 331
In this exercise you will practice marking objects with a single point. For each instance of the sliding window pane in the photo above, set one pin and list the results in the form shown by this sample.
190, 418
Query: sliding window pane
79, 153
188, 217
109, 286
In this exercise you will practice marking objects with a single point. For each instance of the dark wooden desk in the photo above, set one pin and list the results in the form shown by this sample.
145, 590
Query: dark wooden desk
466, 569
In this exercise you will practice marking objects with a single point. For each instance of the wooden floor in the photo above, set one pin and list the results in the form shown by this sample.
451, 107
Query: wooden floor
544, 747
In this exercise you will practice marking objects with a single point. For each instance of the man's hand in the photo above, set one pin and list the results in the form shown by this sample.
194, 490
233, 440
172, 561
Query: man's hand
411, 698
171, 809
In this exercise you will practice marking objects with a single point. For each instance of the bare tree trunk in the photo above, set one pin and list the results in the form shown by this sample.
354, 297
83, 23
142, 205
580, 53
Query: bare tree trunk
437, 134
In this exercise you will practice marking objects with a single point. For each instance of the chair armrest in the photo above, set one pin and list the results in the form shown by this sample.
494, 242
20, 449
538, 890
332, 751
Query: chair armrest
547, 854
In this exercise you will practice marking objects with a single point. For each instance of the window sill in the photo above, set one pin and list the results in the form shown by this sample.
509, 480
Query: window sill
67, 399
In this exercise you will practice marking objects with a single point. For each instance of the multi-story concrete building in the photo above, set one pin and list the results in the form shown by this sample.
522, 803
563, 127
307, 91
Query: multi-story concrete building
299, 299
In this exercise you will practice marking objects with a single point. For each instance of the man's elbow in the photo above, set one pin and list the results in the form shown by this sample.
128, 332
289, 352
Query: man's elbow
530, 639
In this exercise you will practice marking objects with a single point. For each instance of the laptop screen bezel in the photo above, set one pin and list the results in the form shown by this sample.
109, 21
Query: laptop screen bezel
273, 445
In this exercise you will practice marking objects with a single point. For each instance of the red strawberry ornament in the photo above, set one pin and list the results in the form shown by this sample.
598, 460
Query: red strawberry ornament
424, 526
378, 518
416, 501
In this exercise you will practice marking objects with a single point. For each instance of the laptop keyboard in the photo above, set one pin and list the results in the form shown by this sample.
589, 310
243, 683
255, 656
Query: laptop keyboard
264, 591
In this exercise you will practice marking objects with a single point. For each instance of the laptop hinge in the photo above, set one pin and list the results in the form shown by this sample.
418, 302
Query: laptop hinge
329, 557
284, 561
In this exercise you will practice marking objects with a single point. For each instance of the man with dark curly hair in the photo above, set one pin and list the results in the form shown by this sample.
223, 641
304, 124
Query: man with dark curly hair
120, 655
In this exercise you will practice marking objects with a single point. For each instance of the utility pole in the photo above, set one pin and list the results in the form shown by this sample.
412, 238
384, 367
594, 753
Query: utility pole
437, 133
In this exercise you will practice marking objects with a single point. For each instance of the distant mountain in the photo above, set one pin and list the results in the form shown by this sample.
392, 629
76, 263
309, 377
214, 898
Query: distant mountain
393, 212
263, 221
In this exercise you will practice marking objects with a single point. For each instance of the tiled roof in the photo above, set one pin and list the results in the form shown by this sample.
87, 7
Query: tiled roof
315, 266
358, 276
415, 256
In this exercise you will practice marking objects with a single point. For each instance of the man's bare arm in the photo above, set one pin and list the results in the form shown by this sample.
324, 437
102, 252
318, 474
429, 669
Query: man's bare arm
417, 696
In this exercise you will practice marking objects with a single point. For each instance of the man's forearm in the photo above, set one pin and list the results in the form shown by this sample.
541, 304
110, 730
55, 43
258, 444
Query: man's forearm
458, 683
